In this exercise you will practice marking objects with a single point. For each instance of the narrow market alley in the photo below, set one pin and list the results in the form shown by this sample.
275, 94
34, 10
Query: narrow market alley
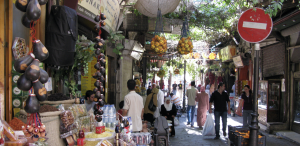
187, 136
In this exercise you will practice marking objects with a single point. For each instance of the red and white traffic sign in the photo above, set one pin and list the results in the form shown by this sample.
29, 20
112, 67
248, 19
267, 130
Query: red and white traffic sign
254, 25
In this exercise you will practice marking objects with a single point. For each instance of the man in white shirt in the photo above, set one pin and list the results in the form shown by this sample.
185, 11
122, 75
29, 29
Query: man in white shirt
160, 101
175, 99
191, 94
134, 107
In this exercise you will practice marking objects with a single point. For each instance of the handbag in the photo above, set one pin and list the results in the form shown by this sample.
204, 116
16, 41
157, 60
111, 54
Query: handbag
151, 105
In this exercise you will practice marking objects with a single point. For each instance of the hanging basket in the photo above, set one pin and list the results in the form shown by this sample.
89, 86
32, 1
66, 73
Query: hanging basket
161, 73
176, 71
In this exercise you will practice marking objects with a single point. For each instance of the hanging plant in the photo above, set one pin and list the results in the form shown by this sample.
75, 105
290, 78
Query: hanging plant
161, 73
176, 71
159, 44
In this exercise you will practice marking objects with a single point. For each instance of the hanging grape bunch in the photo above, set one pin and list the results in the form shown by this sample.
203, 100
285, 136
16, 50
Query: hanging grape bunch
100, 66
33, 76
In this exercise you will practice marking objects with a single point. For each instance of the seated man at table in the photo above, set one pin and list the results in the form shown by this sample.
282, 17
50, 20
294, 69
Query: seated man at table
89, 100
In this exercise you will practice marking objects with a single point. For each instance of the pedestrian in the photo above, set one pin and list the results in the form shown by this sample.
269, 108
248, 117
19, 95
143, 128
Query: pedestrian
203, 104
89, 100
169, 111
191, 94
149, 115
247, 98
176, 100
149, 90
133, 106
174, 88
180, 90
219, 98
160, 101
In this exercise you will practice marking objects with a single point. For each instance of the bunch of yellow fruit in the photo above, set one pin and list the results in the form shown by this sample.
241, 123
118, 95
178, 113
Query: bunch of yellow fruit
185, 45
159, 44
161, 73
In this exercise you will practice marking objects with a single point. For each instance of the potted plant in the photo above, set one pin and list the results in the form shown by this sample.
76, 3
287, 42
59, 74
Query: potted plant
153, 64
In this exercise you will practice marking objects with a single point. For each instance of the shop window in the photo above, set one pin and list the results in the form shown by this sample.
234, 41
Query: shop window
263, 93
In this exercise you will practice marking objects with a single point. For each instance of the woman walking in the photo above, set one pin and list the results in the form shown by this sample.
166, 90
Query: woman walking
203, 105
168, 110
248, 103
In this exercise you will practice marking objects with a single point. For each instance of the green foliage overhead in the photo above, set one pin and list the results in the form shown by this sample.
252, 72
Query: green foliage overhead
115, 39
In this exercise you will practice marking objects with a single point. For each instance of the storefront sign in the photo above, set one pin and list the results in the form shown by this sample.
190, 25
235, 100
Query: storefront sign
91, 8
87, 81
227, 53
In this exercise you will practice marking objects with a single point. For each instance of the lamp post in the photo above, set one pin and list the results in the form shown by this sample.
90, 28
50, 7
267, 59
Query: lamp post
183, 108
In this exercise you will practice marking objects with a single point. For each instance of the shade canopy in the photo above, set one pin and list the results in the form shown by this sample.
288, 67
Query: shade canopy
149, 7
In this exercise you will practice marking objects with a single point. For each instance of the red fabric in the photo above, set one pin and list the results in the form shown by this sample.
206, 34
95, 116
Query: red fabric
244, 73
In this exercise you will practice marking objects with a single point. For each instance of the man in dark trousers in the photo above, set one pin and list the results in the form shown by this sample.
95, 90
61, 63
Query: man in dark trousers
174, 88
219, 98
180, 89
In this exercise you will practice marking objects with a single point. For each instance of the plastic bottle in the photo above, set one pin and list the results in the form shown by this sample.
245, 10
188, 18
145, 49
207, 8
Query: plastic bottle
105, 114
114, 113
110, 113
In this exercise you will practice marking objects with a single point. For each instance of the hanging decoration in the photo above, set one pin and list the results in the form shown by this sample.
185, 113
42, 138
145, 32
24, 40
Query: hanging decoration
159, 42
212, 56
33, 76
100, 73
185, 45
176, 71
161, 73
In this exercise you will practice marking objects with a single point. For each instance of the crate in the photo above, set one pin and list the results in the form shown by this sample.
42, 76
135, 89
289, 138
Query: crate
239, 140
232, 129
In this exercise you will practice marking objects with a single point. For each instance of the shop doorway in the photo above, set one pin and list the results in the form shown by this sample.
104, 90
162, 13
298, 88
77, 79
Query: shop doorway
296, 116
111, 75
274, 99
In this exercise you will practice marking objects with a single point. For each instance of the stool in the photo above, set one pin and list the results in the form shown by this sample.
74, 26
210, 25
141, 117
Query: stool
165, 139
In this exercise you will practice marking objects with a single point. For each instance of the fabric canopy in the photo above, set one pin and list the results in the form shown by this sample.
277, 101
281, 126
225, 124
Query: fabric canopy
149, 7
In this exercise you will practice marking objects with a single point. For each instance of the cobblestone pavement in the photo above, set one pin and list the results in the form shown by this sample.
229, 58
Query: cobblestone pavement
187, 136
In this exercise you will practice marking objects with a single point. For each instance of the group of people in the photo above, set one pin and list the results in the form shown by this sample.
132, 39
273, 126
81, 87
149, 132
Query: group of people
134, 107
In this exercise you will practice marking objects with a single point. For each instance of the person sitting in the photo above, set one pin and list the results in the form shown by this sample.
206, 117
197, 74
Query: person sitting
169, 111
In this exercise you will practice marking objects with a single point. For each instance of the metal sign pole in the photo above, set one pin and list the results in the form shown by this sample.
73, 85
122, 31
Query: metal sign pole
254, 128
183, 108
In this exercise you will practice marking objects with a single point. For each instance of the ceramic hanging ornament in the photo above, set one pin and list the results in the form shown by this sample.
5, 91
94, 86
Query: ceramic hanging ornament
97, 66
32, 72
33, 11
23, 83
43, 76
40, 51
32, 104
102, 16
97, 75
98, 45
22, 63
26, 22
97, 51
39, 90
22, 5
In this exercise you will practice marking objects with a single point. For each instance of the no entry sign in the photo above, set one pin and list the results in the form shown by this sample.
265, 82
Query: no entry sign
254, 25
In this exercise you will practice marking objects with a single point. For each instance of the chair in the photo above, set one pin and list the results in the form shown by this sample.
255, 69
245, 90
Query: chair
165, 138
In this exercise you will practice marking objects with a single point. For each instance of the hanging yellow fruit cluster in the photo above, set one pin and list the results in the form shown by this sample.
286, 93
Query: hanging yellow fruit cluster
212, 56
137, 82
176, 71
185, 45
159, 44
161, 73
137, 89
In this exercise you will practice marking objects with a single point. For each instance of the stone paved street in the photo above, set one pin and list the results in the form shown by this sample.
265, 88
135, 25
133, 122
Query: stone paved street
187, 136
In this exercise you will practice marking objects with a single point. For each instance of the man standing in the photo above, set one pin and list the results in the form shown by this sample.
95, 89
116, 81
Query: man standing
133, 106
89, 100
191, 94
174, 89
180, 90
219, 98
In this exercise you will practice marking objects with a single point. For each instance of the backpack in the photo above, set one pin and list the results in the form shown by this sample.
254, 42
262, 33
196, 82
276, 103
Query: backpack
61, 36
161, 126
151, 105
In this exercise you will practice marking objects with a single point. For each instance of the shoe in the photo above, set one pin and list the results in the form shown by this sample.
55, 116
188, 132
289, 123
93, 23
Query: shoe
217, 137
224, 134
188, 123
200, 128
192, 126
